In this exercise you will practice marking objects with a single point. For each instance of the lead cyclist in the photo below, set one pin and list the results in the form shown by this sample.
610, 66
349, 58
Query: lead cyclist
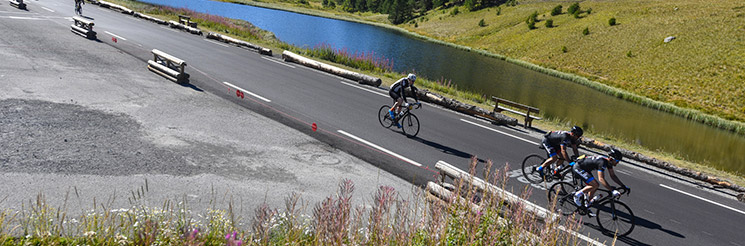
399, 96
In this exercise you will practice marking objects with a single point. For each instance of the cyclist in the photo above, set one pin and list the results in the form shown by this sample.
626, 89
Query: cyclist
555, 143
583, 169
399, 96
79, 7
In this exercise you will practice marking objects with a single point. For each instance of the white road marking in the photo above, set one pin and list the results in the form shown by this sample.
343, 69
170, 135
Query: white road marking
117, 36
704, 199
364, 89
734, 243
278, 62
498, 131
24, 18
648, 211
380, 148
675, 221
217, 43
250, 93
47, 9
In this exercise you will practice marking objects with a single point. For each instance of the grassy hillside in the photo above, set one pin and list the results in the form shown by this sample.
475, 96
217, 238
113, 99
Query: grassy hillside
703, 68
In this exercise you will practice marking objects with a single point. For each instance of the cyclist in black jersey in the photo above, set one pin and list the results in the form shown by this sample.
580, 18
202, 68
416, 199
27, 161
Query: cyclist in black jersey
399, 96
583, 169
556, 143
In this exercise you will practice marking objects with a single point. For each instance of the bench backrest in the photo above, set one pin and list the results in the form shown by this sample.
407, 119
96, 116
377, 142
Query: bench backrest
515, 105
82, 22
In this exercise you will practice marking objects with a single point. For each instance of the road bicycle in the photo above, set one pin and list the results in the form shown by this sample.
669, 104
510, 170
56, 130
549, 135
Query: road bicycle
613, 216
533, 161
409, 122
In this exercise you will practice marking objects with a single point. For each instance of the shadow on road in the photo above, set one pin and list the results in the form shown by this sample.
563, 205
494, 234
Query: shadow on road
629, 239
446, 149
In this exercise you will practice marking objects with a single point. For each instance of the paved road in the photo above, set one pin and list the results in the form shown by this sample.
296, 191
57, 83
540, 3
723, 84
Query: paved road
669, 210
85, 118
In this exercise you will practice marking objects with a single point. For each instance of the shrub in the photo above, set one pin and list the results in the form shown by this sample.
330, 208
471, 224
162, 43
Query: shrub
574, 8
549, 23
499, 10
531, 24
628, 54
563, 49
482, 23
576, 15
586, 31
532, 18
454, 12
612, 21
556, 11
589, 11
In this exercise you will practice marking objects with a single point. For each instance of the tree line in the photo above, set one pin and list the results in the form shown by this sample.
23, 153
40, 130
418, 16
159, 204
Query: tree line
400, 11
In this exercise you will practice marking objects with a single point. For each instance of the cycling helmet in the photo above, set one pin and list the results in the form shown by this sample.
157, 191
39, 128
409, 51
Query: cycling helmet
577, 131
615, 154
411, 77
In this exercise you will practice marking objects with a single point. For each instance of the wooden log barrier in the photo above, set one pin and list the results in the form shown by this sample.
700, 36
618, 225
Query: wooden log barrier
360, 78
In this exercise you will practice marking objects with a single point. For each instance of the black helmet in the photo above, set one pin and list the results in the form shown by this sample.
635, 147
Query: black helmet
577, 131
615, 154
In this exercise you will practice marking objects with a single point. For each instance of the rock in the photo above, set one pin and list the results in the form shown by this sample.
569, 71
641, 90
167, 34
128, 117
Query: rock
741, 197
668, 39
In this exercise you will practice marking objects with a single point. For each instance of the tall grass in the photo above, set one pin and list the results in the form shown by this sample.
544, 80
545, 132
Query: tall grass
389, 219
364, 61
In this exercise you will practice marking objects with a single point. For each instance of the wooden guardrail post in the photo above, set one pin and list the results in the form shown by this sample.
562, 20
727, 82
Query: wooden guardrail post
168, 66
83, 27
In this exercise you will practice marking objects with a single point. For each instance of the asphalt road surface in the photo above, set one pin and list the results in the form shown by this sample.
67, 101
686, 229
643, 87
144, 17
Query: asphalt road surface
669, 210
83, 122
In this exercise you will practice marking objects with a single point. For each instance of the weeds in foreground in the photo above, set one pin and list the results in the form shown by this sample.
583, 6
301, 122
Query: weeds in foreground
388, 220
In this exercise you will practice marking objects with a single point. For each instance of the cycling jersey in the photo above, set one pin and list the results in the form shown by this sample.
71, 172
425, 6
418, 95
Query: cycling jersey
584, 167
553, 140
397, 89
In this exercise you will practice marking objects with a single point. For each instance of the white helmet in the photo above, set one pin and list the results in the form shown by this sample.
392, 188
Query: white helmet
411, 77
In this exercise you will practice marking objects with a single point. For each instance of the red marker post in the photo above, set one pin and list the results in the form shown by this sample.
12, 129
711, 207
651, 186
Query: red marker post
113, 39
314, 126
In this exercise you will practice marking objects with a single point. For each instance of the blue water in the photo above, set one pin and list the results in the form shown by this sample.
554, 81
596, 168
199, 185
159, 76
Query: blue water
555, 97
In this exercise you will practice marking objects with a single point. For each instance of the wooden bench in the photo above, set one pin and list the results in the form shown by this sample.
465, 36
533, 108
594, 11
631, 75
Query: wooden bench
168, 66
186, 21
83, 27
528, 110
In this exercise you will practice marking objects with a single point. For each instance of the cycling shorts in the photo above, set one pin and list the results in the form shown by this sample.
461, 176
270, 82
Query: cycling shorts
394, 95
582, 174
550, 149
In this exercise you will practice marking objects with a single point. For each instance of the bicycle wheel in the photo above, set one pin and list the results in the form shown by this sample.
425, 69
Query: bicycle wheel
410, 125
561, 198
384, 117
616, 218
530, 164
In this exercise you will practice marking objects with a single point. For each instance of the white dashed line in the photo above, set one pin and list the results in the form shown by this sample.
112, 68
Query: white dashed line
23, 18
498, 131
364, 89
47, 9
217, 43
117, 36
703, 199
278, 62
380, 148
624, 172
250, 93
